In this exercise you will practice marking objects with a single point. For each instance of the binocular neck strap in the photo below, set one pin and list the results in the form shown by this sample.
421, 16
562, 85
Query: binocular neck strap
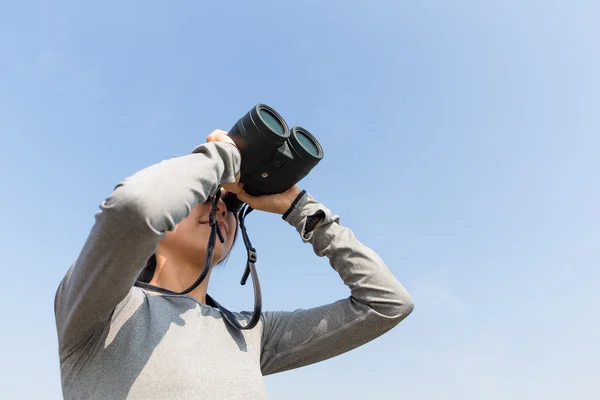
250, 270
250, 267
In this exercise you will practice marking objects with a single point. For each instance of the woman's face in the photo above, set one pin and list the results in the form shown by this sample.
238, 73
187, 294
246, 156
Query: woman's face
189, 240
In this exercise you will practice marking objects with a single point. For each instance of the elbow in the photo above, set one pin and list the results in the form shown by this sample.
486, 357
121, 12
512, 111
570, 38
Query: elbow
125, 200
399, 305
403, 305
131, 206
408, 306
389, 313
392, 308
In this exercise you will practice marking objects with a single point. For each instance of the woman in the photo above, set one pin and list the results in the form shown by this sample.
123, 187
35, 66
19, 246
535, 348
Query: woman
120, 341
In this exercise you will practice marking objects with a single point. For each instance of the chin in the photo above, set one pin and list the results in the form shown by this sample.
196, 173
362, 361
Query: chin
218, 255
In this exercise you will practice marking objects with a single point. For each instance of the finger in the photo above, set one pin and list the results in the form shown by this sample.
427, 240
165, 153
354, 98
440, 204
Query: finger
252, 201
243, 196
235, 188
214, 135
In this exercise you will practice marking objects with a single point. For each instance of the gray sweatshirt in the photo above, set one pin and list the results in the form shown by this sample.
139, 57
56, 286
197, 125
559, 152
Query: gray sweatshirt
118, 341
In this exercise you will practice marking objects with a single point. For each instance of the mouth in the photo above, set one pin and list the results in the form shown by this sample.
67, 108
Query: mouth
222, 225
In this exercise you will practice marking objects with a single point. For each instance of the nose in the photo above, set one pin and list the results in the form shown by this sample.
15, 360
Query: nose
222, 209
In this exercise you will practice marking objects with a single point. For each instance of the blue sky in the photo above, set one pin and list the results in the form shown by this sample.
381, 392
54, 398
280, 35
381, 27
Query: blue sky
462, 143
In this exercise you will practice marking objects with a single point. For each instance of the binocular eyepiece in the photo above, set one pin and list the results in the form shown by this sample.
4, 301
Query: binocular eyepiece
274, 158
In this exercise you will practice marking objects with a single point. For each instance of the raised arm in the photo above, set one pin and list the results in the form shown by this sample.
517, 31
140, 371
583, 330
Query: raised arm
128, 227
377, 301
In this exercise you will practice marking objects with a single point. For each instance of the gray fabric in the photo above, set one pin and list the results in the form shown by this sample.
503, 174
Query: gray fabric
118, 341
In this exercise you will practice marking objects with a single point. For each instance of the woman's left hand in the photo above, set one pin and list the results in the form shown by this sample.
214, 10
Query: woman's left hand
274, 203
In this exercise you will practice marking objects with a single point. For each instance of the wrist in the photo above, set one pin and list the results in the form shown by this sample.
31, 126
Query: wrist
293, 204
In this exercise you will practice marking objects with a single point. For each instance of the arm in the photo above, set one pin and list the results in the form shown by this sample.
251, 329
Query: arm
128, 227
377, 303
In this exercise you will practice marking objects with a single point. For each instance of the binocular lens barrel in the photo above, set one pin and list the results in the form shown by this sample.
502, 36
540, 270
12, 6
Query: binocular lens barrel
273, 158
306, 142
271, 120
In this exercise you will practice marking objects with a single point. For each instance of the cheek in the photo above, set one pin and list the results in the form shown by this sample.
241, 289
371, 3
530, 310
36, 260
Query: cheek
200, 212
186, 226
187, 230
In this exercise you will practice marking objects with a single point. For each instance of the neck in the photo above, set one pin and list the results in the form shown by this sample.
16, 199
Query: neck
178, 275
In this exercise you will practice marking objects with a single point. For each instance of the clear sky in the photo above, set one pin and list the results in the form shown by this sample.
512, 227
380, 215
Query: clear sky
462, 143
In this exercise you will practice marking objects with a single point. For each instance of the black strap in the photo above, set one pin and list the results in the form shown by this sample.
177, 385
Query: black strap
250, 267
250, 270
312, 220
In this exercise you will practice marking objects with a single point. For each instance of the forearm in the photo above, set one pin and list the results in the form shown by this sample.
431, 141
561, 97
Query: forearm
376, 304
128, 227
362, 270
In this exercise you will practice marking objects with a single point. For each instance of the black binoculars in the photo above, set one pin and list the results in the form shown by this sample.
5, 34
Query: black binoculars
274, 158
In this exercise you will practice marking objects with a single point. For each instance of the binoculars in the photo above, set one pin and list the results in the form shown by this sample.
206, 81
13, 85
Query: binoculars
274, 157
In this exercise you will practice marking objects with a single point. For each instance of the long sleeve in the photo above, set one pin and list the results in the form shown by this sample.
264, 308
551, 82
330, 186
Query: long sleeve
376, 304
126, 232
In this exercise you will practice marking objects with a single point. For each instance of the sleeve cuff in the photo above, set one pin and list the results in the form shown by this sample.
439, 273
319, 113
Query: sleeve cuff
304, 207
231, 155
296, 200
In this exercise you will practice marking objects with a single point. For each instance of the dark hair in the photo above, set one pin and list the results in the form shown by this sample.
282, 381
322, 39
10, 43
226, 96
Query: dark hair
148, 272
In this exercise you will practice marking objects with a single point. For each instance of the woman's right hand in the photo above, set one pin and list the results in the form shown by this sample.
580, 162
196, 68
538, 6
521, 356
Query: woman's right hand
221, 136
